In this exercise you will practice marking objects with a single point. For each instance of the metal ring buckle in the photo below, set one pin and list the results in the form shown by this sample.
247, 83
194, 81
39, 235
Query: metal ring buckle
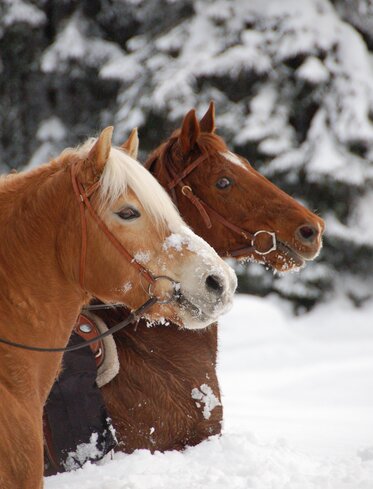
274, 242
151, 291
185, 188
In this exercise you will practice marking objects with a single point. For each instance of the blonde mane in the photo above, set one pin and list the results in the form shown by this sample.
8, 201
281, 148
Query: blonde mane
122, 172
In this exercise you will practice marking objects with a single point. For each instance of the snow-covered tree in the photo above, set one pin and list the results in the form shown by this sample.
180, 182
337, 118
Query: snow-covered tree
292, 81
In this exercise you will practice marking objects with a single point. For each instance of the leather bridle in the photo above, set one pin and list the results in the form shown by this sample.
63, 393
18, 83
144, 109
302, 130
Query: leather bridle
83, 196
206, 212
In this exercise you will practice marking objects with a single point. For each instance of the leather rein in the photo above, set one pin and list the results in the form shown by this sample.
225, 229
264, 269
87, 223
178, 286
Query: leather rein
206, 212
83, 196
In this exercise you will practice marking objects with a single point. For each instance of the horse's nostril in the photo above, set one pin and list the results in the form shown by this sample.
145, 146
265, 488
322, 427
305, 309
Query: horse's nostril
308, 233
214, 284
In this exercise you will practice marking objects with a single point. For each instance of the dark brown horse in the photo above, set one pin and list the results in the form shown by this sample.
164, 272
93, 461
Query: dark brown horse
166, 395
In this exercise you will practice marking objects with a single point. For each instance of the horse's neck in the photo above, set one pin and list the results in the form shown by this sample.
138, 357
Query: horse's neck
38, 302
35, 209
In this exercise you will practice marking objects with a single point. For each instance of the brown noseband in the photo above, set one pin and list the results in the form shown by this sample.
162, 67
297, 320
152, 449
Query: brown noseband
206, 211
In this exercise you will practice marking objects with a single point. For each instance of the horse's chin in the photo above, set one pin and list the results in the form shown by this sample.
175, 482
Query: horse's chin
194, 316
192, 322
288, 259
185, 314
284, 259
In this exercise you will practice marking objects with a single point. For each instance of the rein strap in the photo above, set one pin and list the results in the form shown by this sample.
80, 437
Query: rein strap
130, 319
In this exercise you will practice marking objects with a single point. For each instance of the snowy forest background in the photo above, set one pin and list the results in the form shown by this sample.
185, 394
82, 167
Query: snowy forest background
293, 86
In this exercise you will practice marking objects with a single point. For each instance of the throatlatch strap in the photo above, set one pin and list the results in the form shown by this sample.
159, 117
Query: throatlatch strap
197, 202
186, 190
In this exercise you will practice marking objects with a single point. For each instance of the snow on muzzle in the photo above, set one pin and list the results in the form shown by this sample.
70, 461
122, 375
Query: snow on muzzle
207, 283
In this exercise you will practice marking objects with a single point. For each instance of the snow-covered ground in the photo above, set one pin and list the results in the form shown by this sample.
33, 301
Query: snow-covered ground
298, 398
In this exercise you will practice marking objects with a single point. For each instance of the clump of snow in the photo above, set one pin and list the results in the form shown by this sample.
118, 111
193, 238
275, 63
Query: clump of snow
122, 67
142, 256
360, 223
160, 321
18, 11
51, 129
268, 120
83, 452
175, 241
205, 397
313, 71
72, 44
326, 157
51, 133
109, 423
195, 244
358, 230
186, 238
43, 154
126, 287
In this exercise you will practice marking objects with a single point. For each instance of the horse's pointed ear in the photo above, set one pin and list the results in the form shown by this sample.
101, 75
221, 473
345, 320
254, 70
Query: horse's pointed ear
99, 154
207, 123
131, 146
189, 131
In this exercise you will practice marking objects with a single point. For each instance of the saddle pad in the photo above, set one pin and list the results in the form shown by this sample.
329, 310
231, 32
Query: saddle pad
109, 368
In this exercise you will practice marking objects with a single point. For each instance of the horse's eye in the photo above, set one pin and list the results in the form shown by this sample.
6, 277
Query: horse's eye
224, 182
128, 214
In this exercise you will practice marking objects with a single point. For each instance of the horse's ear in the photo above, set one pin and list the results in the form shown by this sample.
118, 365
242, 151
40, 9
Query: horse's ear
207, 123
189, 132
131, 146
99, 154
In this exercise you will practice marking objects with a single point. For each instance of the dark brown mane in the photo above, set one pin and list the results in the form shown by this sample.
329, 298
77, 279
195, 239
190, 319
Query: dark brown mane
209, 143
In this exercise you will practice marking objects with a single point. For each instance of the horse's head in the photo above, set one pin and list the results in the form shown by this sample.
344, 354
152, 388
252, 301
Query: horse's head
237, 210
134, 233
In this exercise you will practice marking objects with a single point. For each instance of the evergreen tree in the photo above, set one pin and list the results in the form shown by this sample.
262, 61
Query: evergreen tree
292, 82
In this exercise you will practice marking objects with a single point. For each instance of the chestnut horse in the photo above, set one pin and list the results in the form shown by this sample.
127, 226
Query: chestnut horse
69, 231
166, 395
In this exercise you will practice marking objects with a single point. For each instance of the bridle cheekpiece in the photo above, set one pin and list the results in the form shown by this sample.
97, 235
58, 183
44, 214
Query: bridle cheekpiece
206, 212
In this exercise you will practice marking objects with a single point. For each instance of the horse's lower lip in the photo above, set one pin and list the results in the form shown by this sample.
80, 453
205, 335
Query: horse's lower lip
196, 311
285, 251
290, 253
